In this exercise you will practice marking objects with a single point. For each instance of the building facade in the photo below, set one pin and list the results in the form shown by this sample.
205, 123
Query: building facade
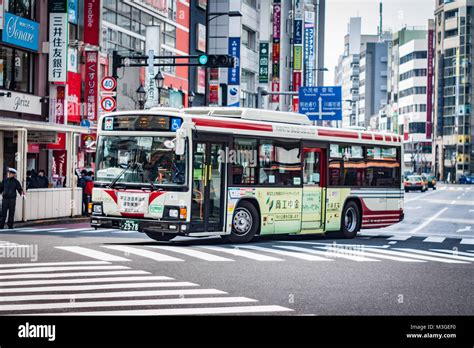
453, 121
410, 98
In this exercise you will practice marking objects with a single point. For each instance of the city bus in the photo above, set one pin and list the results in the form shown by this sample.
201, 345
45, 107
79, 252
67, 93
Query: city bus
238, 173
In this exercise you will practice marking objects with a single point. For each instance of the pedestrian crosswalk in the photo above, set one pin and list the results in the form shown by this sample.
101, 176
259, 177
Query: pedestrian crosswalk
60, 288
306, 251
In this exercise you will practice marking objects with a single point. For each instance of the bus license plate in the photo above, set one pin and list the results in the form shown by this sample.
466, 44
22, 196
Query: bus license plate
129, 225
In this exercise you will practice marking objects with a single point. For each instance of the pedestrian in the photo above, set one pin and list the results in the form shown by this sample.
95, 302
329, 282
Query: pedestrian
28, 179
88, 189
42, 180
8, 188
33, 182
82, 182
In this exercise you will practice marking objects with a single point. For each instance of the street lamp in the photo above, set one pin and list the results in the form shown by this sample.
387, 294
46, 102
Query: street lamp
191, 97
141, 96
159, 83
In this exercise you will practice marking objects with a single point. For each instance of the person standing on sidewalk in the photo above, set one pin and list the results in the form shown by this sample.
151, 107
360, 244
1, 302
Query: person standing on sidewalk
8, 188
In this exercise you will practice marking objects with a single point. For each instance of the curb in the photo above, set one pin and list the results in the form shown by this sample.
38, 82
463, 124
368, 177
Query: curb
47, 222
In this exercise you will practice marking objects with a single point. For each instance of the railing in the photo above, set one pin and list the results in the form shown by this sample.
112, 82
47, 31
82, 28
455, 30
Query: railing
49, 203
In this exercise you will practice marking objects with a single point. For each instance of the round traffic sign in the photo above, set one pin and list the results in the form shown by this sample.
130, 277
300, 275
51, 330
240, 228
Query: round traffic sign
108, 104
109, 84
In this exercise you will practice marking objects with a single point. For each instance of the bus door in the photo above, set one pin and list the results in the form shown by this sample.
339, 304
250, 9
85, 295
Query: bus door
314, 192
208, 197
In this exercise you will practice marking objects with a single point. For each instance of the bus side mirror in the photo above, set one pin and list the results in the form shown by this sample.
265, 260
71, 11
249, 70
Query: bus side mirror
180, 146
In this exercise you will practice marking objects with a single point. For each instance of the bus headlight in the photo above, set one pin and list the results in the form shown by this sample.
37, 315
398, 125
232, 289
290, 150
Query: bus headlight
173, 213
97, 209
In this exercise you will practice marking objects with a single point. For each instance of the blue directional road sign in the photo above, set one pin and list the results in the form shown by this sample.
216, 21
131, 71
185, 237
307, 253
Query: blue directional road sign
321, 103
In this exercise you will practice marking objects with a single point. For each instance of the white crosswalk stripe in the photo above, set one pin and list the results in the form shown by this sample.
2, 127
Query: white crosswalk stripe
55, 269
243, 253
399, 238
126, 294
99, 255
408, 254
298, 255
328, 254
434, 239
435, 254
192, 252
141, 252
368, 256
71, 274
455, 252
65, 263
469, 241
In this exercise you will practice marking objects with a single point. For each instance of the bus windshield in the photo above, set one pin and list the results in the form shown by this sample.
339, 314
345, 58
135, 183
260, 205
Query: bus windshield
147, 158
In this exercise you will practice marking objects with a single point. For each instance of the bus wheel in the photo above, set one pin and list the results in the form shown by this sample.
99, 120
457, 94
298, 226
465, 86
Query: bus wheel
160, 237
350, 220
245, 223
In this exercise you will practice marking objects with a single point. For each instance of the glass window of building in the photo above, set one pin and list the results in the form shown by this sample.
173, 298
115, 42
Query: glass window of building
21, 8
248, 38
15, 70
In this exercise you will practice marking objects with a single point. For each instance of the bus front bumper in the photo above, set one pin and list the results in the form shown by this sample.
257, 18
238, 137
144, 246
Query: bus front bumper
145, 225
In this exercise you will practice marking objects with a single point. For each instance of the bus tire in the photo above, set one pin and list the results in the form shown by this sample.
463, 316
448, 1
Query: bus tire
351, 220
245, 223
160, 237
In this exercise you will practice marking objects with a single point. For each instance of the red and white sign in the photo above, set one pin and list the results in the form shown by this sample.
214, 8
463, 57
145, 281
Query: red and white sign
59, 105
73, 97
275, 88
108, 104
91, 91
88, 140
201, 80
108, 84
59, 163
60, 144
213, 94
296, 80
92, 22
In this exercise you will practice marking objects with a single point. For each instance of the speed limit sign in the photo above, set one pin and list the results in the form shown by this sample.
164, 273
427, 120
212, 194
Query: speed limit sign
108, 104
109, 84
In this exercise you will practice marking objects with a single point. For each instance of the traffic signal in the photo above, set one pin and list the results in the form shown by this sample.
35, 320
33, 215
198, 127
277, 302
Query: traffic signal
217, 61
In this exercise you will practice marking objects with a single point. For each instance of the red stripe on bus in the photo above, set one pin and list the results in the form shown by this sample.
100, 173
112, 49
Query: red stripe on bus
331, 133
378, 137
366, 136
234, 125
153, 196
367, 211
133, 215
112, 194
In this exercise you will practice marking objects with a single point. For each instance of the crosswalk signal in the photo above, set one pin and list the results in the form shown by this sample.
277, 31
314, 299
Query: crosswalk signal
217, 61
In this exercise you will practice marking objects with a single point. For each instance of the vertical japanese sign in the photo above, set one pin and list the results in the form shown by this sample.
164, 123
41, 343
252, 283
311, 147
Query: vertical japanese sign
276, 50
152, 47
309, 40
58, 41
60, 104
92, 22
201, 37
201, 80
429, 85
263, 63
92, 81
233, 78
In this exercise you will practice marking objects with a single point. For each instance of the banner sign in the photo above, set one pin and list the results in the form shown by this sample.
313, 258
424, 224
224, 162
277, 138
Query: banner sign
213, 94
309, 37
92, 22
233, 96
276, 22
58, 43
20, 32
59, 105
201, 80
201, 37
234, 50
298, 32
276, 51
59, 165
298, 58
263, 63
72, 7
74, 97
296, 80
429, 85
92, 81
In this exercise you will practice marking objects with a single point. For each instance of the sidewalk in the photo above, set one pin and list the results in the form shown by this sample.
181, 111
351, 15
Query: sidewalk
56, 221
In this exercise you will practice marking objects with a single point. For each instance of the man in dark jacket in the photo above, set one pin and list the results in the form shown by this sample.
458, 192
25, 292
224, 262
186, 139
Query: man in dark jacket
82, 182
9, 187
42, 180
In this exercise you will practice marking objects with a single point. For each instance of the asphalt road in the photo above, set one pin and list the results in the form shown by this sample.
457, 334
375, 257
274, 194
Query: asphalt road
422, 266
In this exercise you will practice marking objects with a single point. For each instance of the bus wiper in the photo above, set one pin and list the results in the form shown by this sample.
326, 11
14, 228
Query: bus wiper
130, 163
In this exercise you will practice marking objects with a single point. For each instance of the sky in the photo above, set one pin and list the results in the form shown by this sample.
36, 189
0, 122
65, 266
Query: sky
396, 15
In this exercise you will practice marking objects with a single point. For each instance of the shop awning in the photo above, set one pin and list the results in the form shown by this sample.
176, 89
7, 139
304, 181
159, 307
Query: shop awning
14, 123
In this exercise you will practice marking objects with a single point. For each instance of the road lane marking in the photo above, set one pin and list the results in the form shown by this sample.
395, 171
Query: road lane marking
243, 253
421, 196
61, 263
98, 287
401, 252
55, 269
126, 303
433, 239
191, 252
366, 253
465, 229
297, 255
97, 295
71, 230
103, 230
469, 241
427, 222
82, 281
392, 242
328, 254
141, 252
399, 238
435, 254
187, 311
71, 274
455, 252
99, 255
331, 244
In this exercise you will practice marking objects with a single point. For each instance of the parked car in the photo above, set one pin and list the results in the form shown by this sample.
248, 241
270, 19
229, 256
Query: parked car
431, 180
414, 183
466, 179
